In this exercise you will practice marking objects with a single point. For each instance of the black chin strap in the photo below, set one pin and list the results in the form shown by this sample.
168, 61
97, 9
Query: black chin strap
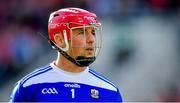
81, 61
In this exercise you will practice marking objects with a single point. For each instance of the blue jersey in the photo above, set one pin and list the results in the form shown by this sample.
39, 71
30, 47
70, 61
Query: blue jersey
51, 84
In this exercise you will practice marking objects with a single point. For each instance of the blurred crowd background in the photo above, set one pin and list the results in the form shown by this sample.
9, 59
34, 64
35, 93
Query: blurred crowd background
141, 44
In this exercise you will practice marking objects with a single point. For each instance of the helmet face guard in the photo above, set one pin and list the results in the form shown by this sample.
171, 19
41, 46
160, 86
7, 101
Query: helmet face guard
81, 32
85, 43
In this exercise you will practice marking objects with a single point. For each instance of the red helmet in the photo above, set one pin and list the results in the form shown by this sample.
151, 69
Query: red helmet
67, 18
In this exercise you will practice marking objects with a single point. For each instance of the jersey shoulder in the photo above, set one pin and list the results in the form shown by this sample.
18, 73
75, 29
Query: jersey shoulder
103, 80
36, 75
20, 89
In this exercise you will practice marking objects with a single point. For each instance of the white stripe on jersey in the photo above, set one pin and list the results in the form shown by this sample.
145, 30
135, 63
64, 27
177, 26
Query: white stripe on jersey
34, 72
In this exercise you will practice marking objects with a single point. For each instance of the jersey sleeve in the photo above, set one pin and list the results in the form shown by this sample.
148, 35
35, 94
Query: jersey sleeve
17, 94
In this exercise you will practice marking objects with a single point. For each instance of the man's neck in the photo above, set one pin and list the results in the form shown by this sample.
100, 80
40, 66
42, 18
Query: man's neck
67, 65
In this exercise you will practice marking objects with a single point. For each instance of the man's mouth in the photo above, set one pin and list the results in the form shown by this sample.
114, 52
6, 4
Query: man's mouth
90, 49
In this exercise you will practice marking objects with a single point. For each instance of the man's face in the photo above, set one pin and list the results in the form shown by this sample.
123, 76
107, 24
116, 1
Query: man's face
82, 42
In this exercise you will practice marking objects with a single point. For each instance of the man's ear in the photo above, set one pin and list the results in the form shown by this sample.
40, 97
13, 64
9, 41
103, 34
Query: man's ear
59, 40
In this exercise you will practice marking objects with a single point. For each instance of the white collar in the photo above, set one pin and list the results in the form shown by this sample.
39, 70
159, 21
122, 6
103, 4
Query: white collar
68, 73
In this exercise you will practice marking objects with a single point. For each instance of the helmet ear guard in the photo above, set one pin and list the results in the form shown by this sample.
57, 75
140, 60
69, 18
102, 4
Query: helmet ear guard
66, 42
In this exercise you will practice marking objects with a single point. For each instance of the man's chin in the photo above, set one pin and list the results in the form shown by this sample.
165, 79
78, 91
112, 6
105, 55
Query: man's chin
89, 55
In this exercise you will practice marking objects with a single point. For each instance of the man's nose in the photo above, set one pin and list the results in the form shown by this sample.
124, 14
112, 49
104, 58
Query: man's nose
90, 38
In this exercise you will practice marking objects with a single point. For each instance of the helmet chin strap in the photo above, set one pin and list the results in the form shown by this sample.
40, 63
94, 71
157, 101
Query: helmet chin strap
81, 61
85, 61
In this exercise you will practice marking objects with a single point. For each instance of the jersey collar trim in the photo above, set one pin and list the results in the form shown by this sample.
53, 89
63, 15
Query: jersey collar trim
68, 73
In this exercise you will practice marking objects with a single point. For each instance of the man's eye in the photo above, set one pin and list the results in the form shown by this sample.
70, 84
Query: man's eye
93, 32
